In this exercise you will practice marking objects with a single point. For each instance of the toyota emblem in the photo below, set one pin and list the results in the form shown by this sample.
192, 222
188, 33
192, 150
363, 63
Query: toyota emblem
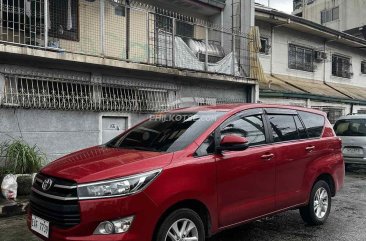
47, 184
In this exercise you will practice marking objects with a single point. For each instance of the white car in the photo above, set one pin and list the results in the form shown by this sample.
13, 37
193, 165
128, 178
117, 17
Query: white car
352, 130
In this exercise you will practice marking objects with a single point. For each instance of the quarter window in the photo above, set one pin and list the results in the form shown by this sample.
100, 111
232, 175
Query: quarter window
283, 128
341, 66
250, 127
314, 123
301, 58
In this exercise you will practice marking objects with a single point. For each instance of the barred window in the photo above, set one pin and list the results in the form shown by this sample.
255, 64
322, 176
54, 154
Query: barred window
329, 15
341, 66
363, 67
32, 92
25, 18
301, 58
333, 113
64, 19
182, 29
264, 46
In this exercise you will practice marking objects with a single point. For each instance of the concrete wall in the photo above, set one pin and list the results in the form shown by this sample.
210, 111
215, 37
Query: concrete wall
56, 133
276, 62
351, 13
323, 71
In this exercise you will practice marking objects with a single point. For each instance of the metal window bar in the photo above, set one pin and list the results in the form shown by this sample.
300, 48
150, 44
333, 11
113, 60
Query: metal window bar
42, 93
96, 31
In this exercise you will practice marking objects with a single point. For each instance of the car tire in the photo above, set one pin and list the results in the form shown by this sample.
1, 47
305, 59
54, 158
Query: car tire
173, 226
318, 209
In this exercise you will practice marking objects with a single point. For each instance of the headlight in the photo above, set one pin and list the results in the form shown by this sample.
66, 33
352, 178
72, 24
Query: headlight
117, 187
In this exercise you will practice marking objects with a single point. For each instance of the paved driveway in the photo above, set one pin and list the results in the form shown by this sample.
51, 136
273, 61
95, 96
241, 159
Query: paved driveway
347, 221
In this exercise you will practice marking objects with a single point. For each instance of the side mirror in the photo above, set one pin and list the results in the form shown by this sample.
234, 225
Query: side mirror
233, 143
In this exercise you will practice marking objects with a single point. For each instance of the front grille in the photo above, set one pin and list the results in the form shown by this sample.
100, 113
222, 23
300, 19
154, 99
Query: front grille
59, 205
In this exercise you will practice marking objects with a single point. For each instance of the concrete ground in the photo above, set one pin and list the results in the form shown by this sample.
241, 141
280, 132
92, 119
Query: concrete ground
346, 221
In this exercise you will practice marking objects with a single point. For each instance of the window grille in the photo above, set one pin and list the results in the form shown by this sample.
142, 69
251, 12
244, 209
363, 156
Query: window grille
22, 21
31, 92
301, 58
329, 15
341, 66
333, 113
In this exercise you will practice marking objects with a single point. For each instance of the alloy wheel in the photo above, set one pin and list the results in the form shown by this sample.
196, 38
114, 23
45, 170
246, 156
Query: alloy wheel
182, 230
321, 203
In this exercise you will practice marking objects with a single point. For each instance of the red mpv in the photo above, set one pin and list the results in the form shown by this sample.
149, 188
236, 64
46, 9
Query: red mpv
190, 173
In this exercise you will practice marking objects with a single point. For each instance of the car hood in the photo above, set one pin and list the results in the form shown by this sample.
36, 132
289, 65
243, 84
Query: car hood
100, 163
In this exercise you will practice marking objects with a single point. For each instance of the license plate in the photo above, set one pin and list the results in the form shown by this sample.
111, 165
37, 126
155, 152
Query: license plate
40, 226
353, 151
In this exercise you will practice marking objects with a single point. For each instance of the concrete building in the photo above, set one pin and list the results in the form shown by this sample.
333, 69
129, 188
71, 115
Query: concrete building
76, 73
311, 65
342, 15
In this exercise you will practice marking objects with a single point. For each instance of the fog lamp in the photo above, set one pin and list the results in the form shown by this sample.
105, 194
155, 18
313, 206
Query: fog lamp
115, 226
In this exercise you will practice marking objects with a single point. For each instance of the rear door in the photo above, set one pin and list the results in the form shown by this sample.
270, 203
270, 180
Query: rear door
294, 152
246, 179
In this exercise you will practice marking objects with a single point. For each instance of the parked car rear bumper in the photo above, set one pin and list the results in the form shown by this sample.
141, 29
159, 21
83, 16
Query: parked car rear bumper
355, 160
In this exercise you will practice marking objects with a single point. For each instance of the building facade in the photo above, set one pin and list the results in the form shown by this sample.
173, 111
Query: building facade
341, 15
310, 65
75, 73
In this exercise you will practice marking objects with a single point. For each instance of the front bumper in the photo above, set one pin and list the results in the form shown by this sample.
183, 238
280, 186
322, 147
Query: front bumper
96, 211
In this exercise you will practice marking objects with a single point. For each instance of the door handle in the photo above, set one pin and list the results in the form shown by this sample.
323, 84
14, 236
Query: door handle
267, 156
310, 148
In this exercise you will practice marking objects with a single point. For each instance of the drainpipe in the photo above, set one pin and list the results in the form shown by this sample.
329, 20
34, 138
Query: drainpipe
128, 21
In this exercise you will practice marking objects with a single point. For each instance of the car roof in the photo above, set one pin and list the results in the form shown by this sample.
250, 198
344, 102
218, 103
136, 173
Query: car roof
352, 117
239, 107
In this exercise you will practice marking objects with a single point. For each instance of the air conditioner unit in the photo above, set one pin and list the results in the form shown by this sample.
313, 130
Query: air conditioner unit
320, 56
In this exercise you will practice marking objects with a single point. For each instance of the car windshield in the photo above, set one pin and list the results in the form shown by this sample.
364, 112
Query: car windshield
350, 127
166, 132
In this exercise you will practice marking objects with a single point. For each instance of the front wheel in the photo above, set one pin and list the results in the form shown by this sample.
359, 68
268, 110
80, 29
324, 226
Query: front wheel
182, 225
318, 209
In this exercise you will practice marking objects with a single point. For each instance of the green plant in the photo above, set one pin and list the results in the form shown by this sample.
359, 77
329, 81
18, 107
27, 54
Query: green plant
20, 158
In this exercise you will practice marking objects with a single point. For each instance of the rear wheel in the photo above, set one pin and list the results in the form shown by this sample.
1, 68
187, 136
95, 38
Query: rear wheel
182, 225
318, 209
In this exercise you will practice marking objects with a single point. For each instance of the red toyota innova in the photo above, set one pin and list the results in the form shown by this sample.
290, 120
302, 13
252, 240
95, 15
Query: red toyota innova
190, 173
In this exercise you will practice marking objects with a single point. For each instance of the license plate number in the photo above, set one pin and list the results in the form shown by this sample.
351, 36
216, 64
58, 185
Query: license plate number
40, 226
354, 151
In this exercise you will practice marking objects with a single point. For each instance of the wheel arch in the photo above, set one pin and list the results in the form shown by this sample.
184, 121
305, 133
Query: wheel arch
328, 178
199, 207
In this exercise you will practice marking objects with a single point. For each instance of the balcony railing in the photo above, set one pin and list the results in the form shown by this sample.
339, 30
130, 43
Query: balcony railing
137, 33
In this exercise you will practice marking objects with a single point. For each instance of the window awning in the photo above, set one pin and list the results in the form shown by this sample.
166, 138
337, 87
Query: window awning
272, 83
302, 86
355, 92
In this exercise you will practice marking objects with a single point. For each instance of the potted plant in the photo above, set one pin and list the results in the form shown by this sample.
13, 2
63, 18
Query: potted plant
23, 160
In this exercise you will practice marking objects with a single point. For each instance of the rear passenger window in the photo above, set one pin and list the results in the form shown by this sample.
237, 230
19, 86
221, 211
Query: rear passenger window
314, 123
283, 128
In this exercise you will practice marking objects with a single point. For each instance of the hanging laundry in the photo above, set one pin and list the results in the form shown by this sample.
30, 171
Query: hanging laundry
69, 16
28, 8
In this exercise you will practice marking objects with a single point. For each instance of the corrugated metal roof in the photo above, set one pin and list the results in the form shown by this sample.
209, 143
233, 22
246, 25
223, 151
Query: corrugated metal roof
355, 92
315, 87
271, 83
